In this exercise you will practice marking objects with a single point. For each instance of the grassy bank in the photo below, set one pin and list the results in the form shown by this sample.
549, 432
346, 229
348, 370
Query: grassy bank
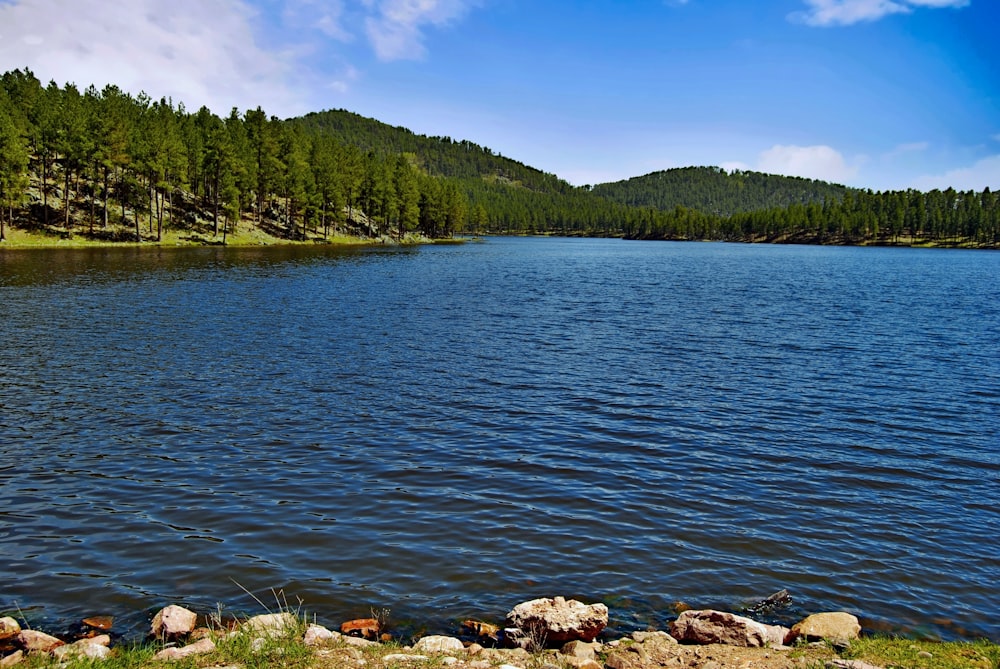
253, 649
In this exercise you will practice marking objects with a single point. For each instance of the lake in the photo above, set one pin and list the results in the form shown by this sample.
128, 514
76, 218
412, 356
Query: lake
446, 431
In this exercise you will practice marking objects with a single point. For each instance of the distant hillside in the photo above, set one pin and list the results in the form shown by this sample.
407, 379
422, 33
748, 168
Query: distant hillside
712, 190
439, 156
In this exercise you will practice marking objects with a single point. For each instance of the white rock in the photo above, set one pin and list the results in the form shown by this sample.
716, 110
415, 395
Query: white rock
173, 620
709, 626
94, 649
9, 627
271, 624
403, 657
202, 647
317, 635
557, 620
33, 640
438, 644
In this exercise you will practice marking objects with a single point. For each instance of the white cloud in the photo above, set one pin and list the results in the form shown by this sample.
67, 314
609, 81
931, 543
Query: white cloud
326, 16
812, 162
395, 28
984, 173
848, 12
199, 52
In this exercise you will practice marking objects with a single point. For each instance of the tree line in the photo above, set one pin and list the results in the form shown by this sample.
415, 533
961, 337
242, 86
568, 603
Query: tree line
115, 159
112, 165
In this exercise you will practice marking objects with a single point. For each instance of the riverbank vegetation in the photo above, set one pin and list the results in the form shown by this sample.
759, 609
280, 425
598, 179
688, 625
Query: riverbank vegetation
104, 166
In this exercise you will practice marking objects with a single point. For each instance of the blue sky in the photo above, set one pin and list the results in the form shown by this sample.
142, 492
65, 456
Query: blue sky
881, 94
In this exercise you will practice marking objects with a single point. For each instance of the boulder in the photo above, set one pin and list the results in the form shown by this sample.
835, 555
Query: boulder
480, 629
95, 648
438, 644
317, 635
558, 621
14, 658
580, 650
102, 623
202, 647
708, 626
173, 621
836, 627
34, 641
9, 628
358, 641
271, 624
367, 628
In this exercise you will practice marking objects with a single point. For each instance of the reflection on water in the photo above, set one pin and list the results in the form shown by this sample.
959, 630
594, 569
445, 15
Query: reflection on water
446, 431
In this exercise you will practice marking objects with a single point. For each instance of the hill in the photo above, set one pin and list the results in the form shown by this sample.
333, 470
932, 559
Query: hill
714, 191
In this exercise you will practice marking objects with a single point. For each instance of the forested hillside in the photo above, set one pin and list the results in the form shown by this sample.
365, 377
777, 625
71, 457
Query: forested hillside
712, 190
107, 165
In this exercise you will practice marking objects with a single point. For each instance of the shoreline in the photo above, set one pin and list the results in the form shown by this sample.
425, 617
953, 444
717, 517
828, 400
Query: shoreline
549, 633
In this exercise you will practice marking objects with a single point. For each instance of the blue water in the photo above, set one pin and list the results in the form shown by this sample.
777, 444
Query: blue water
445, 431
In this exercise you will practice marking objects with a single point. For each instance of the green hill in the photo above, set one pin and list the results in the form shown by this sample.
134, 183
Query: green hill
714, 191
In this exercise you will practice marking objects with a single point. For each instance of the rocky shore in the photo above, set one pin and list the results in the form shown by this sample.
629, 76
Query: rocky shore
544, 633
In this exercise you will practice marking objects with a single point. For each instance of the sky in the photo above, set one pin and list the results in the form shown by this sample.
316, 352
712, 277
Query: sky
880, 94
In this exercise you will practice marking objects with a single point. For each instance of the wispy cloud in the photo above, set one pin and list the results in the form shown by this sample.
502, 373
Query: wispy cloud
396, 27
984, 173
326, 16
812, 162
848, 12
200, 52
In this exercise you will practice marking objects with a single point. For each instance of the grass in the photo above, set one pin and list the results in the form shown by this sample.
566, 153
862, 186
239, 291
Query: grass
894, 652
249, 651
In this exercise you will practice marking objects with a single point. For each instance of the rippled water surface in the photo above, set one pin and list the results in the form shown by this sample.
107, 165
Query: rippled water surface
446, 431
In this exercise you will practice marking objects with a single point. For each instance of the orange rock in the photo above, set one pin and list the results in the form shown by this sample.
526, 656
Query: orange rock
363, 627
99, 622
480, 629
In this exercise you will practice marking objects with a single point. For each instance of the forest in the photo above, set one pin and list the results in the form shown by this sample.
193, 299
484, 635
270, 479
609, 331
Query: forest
108, 165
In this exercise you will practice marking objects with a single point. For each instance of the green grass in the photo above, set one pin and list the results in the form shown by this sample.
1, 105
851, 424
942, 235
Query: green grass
894, 652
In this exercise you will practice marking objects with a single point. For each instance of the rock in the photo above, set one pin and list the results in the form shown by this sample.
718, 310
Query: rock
95, 648
580, 650
850, 664
480, 629
708, 626
581, 663
642, 637
357, 641
367, 628
837, 627
508, 666
9, 628
14, 658
556, 621
474, 648
202, 647
271, 624
438, 644
317, 635
173, 621
403, 657
34, 641
623, 660
102, 623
